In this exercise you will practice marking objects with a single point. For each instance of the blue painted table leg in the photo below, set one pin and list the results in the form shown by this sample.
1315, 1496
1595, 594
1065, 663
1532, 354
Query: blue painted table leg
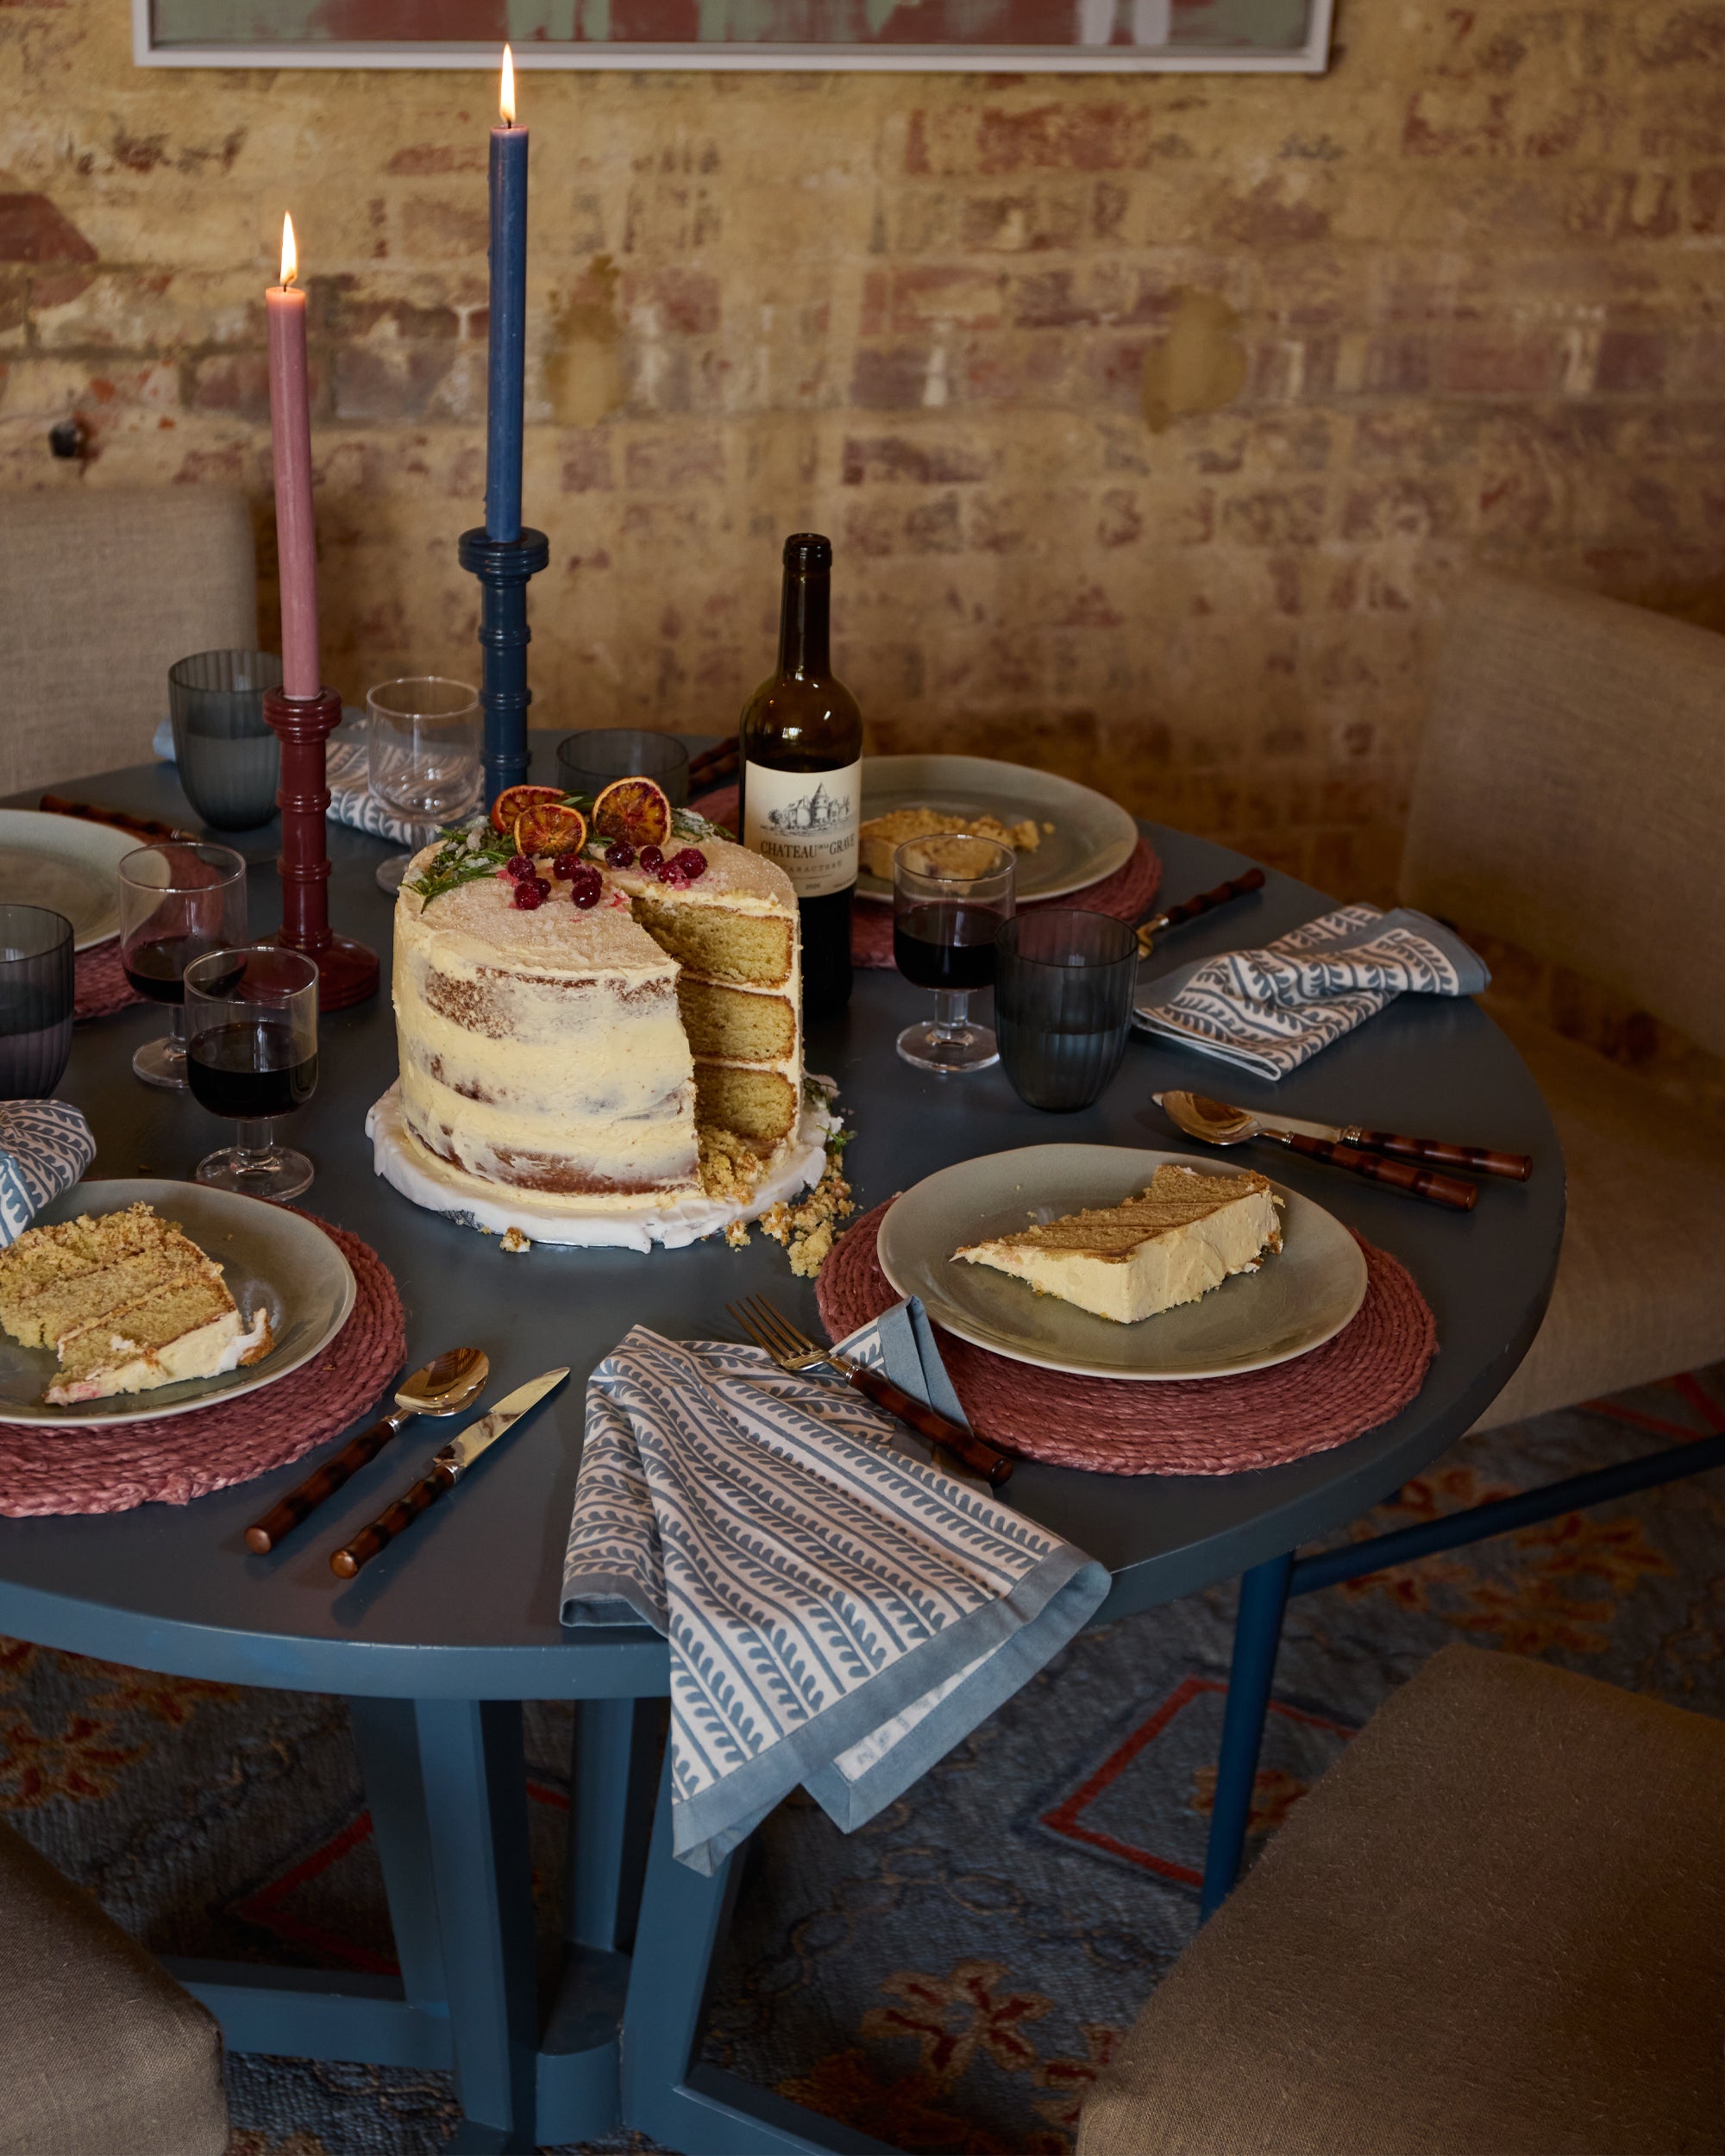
667, 2093
611, 1780
1258, 1634
386, 1739
475, 1782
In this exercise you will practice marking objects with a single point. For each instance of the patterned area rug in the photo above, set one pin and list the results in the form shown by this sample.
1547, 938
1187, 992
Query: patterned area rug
949, 1977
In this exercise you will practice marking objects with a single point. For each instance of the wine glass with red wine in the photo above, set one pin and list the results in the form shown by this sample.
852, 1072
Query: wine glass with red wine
178, 900
950, 895
251, 1027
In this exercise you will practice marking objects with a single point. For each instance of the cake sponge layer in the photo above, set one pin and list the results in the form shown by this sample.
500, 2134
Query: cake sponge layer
743, 1024
758, 1105
1183, 1235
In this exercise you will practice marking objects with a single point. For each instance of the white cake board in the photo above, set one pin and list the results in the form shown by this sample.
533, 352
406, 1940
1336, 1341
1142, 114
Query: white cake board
616, 1223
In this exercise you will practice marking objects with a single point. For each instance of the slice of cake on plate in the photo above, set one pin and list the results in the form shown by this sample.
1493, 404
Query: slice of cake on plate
129, 1301
1183, 1235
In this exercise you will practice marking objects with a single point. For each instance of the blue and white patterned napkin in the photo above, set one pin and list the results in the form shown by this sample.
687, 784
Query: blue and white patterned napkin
839, 1614
1268, 1011
346, 766
45, 1147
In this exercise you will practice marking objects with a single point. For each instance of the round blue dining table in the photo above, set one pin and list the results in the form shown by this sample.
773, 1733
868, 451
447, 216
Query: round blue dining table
437, 1642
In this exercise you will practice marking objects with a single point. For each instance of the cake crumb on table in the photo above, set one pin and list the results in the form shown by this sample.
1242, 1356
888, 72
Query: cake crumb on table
514, 1240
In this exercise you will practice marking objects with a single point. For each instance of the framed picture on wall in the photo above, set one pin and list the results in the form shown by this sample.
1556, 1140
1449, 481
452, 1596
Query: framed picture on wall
981, 37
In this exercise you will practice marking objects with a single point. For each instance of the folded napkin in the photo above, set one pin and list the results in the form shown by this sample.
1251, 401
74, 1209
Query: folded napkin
1270, 1011
346, 766
45, 1147
839, 1614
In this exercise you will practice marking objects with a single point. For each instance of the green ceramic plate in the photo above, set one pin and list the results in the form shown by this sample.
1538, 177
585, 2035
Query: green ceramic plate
268, 1256
1296, 1301
1092, 835
67, 865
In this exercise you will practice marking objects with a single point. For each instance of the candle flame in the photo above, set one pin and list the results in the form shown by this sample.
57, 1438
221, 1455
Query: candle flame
290, 252
507, 96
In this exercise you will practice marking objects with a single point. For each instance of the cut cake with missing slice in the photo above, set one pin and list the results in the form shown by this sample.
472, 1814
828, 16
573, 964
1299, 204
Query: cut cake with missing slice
1182, 1235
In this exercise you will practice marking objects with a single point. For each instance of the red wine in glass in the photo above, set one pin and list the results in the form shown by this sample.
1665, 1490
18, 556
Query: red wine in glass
945, 946
156, 967
252, 1072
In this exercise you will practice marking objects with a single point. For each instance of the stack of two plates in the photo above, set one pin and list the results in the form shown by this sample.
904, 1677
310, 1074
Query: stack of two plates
1293, 1304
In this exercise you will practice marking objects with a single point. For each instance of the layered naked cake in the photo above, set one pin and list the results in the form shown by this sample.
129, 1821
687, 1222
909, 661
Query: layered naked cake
128, 1301
582, 1053
1183, 1235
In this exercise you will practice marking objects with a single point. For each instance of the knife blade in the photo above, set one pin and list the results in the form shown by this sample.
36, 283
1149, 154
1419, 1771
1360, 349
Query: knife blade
445, 1470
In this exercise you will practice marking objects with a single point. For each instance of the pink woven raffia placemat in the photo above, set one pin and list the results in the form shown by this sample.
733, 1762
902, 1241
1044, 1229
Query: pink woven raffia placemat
52, 1468
1127, 895
99, 982
1369, 1372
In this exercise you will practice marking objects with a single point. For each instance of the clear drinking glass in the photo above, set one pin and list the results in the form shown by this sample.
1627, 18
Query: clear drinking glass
177, 899
229, 756
586, 763
36, 997
251, 1026
949, 896
422, 743
1064, 983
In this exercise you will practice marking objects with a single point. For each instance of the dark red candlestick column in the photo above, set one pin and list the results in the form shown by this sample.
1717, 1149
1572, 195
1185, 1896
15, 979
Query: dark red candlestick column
347, 972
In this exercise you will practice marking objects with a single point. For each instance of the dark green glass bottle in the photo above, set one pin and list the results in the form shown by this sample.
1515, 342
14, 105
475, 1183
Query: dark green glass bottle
802, 783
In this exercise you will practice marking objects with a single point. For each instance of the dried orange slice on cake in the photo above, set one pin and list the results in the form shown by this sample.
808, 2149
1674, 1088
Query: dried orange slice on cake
550, 827
515, 801
633, 809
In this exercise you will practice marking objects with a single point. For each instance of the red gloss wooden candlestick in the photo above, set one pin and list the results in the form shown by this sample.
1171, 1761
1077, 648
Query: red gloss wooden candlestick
347, 971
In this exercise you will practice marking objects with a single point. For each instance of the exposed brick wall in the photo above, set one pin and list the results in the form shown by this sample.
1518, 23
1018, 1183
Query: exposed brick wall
1460, 296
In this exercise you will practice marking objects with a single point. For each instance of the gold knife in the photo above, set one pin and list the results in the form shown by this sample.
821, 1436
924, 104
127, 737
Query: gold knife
445, 1470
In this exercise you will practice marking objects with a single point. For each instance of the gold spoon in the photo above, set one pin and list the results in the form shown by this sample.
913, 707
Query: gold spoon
1214, 1123
444, 1387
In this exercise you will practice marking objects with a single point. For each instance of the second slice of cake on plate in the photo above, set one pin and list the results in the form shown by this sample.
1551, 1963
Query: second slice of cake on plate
1183, 1235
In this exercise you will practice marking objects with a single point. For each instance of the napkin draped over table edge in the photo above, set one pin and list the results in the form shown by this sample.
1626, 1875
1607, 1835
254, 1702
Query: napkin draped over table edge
45, 1148
869, 1731
1270, 1010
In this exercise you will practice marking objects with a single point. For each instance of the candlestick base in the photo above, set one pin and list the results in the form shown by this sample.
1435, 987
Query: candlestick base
347, 972
503, 567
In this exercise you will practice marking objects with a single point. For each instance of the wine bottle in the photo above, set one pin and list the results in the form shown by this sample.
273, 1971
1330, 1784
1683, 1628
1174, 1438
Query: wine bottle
801, 782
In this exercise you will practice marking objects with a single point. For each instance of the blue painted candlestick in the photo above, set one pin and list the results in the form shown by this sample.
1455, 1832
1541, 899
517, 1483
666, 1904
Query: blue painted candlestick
503, 567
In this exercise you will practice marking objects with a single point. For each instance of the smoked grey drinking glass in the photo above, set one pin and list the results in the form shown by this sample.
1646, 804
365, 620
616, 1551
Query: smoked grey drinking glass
229, 760
586, 763
36, 994
1065, 982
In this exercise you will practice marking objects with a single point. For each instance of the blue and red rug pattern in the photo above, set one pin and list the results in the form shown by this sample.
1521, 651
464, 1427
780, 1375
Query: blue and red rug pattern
951, 1977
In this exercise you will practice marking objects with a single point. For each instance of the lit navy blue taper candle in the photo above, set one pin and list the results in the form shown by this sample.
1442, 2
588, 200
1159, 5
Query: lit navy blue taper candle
508, 316
503, 554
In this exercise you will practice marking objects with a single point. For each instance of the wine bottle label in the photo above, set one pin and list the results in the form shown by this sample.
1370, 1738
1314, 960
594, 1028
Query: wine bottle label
806, 821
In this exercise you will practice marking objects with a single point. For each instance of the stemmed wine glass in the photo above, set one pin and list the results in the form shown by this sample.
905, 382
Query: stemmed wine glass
178, 900
422, 742
251, 1023
950, 895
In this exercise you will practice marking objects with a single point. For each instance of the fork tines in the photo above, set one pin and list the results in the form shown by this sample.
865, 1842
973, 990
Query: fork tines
771, 1331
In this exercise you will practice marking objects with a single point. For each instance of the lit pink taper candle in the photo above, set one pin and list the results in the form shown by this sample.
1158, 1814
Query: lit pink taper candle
290, 431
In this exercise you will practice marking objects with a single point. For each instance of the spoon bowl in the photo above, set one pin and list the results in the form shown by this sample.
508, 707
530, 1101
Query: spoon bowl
446, 1384
1212, 1122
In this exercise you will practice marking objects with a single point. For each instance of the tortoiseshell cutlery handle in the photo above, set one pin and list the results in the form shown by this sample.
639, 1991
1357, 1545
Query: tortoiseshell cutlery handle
122, 820
299, 1504
1515, 1168
1419, 1183
1206, 901
721, 761
981, 1459
401, 1515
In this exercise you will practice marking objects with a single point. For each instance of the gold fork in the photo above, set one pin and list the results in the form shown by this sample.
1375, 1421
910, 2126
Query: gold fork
791, 1349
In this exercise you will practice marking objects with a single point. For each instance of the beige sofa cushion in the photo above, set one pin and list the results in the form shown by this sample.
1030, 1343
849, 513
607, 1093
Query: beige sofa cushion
1496, 1928
101, 2051
105, 589
1571, 790
1640, 1285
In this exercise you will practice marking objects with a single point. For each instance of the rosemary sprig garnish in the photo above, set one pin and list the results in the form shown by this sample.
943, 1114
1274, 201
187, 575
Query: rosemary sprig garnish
472, 850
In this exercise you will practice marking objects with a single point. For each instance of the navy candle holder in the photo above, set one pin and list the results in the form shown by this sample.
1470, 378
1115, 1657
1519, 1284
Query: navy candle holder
503, 567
